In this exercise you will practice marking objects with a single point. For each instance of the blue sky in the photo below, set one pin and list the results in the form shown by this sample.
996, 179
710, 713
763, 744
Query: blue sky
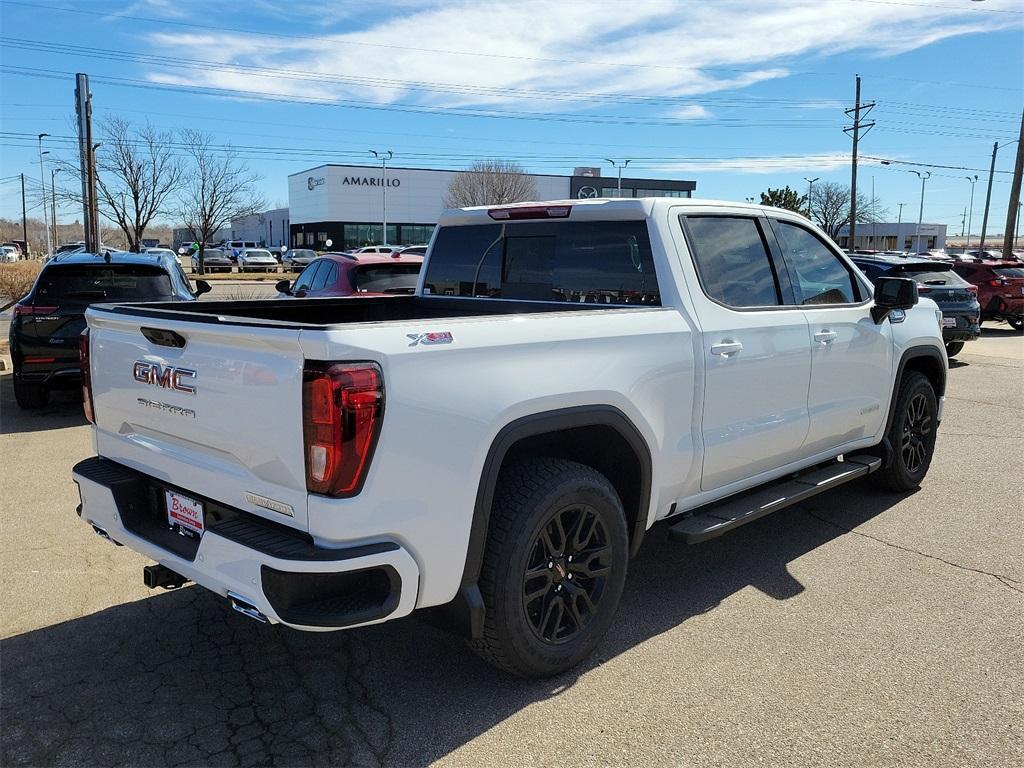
737, 95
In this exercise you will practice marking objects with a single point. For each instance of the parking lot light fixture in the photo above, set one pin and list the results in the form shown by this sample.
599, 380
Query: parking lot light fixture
920, 213
973, 179
619, 166
42, 183
384, 156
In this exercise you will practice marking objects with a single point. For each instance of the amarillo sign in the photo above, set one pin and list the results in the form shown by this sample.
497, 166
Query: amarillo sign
370, 181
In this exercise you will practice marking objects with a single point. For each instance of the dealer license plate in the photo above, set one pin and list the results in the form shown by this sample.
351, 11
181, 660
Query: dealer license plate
185, 514
949, 322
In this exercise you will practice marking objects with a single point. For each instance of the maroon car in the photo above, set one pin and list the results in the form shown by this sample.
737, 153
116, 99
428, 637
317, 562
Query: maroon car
1000, 289
346, 274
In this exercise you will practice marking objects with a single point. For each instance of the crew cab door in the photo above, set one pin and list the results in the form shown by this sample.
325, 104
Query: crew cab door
756, 357
851, 355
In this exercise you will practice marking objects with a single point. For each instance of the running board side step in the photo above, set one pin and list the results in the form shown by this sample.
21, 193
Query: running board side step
718, 518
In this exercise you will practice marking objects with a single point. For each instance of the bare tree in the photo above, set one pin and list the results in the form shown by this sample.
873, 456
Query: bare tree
830, 208
490, 182
137, 171
217, 188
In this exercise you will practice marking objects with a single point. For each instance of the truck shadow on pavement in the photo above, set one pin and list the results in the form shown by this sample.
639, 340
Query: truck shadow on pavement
63, 410
179, 679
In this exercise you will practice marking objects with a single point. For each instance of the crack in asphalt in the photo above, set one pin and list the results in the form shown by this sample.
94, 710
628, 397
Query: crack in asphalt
1006, 581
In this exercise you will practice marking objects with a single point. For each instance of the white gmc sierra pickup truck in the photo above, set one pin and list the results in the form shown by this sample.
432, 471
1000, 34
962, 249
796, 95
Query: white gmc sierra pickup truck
497, 444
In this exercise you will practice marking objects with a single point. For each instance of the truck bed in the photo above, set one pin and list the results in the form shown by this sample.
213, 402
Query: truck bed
320, 313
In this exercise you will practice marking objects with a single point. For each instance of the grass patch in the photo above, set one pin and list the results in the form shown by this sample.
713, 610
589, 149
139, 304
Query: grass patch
16, 280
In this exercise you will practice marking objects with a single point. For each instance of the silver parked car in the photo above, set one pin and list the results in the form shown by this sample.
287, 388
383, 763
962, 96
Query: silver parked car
296, 259
214, 260
256, 260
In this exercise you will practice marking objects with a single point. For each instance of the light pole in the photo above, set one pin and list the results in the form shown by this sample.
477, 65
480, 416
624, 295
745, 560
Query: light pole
42, 182
920, 213
53, 205
810, 189
384, 156
899, 221
970, 211
619, 167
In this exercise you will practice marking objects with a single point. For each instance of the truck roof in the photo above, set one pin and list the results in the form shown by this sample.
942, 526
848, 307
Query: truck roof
595, 209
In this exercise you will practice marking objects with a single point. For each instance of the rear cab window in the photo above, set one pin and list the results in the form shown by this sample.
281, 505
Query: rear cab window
592, 262
116, 282
387, 278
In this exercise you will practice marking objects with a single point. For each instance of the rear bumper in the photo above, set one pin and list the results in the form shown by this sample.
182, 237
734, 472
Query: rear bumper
279, 571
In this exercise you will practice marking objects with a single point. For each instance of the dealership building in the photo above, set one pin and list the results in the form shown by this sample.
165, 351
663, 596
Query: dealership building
895, 236
344, 204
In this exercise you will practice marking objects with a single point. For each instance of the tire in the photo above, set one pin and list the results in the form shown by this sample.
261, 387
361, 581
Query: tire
534, 503
911, 435
1017, 323
953, 348
30, 396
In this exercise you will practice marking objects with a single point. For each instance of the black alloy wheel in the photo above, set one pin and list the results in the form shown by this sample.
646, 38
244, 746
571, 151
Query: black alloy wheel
565, 574
917, 427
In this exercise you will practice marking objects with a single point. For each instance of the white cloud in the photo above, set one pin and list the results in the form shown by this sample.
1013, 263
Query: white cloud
775, 164
571, 55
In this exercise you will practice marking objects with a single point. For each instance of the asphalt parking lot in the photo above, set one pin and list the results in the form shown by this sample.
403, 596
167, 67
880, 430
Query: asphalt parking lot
856, 629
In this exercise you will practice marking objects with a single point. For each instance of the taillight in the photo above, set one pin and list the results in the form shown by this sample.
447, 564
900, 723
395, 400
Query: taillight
342, 409
972, 289
83, 360
531, 212
922, 288
998, 283
33, 309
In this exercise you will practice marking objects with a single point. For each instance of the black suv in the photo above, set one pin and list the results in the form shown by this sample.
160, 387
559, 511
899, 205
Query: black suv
936, 280
49, 320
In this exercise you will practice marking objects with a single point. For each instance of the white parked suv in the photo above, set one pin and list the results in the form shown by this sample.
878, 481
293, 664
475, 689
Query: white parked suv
499, 443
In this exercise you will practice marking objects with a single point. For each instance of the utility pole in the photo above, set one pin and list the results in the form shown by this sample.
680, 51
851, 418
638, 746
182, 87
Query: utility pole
384, 157
87, 163
624, 163
1013, 209
42, 183
24, 216
988, 199
963, 222
920, 213
970, 210
855, 132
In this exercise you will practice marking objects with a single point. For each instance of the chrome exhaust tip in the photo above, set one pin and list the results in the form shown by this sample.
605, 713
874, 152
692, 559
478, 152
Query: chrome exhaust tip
104, 535
245, 607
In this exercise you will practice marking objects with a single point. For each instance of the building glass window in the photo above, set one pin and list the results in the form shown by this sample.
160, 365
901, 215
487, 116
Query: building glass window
662, 193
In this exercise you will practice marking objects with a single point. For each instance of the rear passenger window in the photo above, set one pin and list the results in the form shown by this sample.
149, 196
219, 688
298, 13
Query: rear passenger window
305, 280
592, 262
819, 276
732, 261
324, 276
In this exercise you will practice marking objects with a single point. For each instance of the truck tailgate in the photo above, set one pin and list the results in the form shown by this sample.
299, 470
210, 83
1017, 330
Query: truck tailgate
237, 438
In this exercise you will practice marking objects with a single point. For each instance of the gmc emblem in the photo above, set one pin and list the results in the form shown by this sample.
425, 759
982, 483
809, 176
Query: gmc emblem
167, 377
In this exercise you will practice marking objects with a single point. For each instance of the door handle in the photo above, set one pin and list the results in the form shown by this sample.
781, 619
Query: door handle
726, 348
825, 336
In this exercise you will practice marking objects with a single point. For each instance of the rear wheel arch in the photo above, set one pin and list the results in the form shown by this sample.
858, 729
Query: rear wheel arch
599, 436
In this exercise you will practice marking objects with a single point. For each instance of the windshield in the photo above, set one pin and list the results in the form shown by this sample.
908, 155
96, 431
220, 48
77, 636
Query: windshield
387, 278
1009, 271
209, 253
258, 254
303, 254
104, 281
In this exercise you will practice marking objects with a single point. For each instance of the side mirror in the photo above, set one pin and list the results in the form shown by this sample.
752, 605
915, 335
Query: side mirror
284, 286
202, 287
893, 293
